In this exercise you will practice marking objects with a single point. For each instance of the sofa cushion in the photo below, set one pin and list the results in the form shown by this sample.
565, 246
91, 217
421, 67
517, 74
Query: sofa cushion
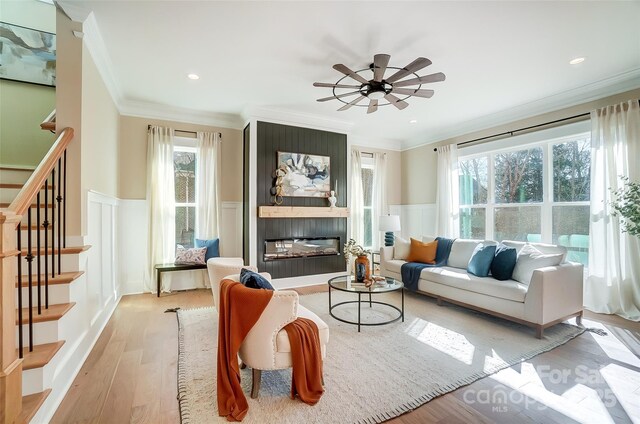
394, 265
422, 252
547, 249
461, 252
530, 259
282, 339
461, 279
504, 262
401, 248
481, 260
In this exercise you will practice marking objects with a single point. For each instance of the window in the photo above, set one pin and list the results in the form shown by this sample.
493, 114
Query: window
184, 165
536, 192
367, 191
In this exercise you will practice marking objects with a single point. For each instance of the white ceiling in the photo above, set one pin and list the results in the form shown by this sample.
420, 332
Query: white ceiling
499, 57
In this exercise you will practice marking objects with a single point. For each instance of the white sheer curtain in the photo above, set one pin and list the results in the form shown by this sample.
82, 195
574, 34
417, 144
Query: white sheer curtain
160, 204
208, 180
613, 281
447, 200
357, 198
379, 195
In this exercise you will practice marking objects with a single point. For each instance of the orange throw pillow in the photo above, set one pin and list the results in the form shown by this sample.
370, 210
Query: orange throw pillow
423, 252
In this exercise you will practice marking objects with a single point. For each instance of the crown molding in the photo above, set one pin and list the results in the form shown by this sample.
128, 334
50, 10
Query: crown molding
150, 110
98, 51
74, 11
287, 117
620, 83
375, 142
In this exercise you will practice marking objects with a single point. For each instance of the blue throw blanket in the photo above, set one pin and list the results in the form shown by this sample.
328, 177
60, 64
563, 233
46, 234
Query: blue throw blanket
411, 270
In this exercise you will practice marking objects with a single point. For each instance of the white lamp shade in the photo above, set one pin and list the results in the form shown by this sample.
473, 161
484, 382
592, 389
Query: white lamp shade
389, 223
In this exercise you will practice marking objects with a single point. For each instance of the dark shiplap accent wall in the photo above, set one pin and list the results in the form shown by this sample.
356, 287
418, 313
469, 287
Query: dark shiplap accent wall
272, 138
245, 193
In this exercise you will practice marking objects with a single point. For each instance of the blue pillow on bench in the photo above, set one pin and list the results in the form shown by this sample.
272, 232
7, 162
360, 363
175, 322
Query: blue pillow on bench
504, 262
213, 247
481, 259
254, 280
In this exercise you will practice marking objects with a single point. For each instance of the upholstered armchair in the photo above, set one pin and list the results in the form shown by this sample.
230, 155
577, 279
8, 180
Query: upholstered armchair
267, 345
219, 268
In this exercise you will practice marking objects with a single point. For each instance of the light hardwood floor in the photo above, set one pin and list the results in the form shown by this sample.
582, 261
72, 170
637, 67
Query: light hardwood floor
130, 375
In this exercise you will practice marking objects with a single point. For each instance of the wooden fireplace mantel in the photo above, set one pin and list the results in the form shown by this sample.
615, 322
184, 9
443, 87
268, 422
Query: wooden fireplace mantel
302, 212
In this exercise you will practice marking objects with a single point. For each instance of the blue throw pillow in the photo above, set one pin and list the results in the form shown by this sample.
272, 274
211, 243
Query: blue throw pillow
254, 280
213, 248
481, 259
504, 262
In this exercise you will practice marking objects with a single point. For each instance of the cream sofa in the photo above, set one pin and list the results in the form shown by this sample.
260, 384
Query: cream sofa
553, 295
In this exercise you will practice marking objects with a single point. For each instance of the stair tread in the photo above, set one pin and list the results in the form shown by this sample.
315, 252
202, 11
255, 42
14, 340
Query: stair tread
65, 250
48, 126
33, 205
41, 355
63, 278
53, 313
16, 185
30, 405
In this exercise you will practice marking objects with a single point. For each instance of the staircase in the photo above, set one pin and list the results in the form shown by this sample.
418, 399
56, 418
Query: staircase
40, 278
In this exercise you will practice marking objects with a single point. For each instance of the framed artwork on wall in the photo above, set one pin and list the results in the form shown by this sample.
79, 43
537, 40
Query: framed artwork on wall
307, 175
27, 55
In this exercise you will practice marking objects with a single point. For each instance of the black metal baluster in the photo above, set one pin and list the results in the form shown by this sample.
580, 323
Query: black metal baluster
53, 223
45, 224
59, 199
38, 250
19, 293
29, 259
64, 204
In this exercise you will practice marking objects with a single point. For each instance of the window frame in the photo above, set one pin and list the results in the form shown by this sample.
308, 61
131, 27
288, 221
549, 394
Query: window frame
368, 163
547, 203
185, 144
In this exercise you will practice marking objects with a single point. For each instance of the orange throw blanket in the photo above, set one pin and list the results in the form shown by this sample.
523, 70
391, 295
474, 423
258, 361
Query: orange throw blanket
306, 356
233, 326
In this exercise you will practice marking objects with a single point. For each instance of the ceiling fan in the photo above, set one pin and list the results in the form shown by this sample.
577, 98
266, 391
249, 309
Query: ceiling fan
380, 88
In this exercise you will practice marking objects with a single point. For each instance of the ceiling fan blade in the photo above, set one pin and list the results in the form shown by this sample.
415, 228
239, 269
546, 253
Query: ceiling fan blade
333, 85
415, 66
348, 72
348, 105
324, 99
421, 80
400, 104
373, 106
380, 62
413, 92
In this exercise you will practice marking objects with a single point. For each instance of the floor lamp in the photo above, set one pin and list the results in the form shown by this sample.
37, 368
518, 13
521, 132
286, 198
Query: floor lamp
389, 224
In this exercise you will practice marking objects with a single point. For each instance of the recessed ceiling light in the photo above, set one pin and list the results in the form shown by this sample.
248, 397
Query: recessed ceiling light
576, 61
193, 76
413, 121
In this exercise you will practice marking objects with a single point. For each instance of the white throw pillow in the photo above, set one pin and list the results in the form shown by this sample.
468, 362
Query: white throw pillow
542, 247
530, 259
461, 252
401, 249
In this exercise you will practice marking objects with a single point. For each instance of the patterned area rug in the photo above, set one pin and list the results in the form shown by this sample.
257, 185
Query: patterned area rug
372, 376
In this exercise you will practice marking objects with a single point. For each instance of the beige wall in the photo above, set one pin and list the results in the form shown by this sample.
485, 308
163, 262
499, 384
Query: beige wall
24, 106
394, 176
132, 157
100, 128
419, 165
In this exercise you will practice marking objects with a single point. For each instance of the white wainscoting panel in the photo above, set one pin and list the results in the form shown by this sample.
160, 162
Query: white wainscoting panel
132, 247
416, 220
231, 230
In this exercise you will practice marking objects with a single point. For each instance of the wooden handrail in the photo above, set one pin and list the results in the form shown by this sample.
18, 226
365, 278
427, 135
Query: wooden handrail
49, 122
34, 184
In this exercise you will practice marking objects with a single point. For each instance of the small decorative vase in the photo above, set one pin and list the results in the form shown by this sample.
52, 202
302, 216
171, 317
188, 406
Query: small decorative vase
363, 268
333, 199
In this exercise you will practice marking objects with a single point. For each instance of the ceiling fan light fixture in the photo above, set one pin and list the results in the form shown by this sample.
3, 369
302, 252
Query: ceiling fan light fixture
381, 91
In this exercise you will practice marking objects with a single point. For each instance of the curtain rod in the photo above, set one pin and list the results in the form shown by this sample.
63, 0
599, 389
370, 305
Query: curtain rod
511, 133
184, 131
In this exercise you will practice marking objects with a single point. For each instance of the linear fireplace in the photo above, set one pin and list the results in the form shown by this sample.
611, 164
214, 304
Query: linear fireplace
301, 248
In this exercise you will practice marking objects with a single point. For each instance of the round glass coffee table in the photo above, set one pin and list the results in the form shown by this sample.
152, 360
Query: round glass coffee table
346, 283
